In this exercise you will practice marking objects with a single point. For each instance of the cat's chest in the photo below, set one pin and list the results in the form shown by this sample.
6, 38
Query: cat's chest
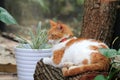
60, 45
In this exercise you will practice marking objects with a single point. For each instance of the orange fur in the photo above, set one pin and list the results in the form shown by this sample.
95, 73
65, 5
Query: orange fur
103, 46
70, 42
58, 30
73, 41
98, 61
94, 47
57, 56
85, 61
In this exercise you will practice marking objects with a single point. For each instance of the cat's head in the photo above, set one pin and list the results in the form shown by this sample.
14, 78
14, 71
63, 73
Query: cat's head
58, 31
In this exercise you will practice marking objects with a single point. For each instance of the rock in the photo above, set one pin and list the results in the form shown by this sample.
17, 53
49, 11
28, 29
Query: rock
7, 51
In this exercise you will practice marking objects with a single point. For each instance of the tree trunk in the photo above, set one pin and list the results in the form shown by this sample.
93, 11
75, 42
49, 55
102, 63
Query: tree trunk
116, 34
99, 18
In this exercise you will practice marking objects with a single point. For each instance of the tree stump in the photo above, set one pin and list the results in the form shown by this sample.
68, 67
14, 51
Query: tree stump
48, 72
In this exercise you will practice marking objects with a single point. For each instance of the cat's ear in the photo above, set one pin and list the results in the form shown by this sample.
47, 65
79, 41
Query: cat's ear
52, 23
60, 27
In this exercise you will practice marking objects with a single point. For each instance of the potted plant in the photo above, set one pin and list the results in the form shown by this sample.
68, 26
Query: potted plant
29, 52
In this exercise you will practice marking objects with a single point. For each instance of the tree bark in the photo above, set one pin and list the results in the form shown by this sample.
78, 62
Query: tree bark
99, 18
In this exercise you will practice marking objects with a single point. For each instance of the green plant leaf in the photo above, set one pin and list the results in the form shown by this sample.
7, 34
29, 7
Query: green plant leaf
43, 4
108, 52
80, 2
113, 42
118, 52
100, 77
21, 40
38, 39
112, 72
38, 27
6, 17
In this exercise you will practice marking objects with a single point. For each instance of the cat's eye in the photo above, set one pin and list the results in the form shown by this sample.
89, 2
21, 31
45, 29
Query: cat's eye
59, 27
52, 35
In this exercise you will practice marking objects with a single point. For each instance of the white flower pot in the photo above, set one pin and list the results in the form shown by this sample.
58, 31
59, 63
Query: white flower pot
26, 60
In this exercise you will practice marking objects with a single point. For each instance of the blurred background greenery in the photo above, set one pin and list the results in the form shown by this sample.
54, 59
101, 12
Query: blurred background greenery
29, 12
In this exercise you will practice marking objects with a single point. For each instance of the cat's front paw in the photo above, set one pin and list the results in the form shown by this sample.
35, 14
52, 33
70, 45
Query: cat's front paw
65, 71
47, 60
68, 64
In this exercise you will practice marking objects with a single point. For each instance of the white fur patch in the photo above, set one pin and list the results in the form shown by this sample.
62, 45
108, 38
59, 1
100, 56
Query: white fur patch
76, 53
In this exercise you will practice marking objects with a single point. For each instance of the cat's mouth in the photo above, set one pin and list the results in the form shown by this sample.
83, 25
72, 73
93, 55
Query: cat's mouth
53, 42
64, 39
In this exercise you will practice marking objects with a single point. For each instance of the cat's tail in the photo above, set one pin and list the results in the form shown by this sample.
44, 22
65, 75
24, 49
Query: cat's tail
101, 64
81, 69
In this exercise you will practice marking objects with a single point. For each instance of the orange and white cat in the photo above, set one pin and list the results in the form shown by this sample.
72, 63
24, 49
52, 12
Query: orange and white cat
74, 55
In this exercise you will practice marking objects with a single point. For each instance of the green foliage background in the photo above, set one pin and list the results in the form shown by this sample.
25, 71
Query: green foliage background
29, 12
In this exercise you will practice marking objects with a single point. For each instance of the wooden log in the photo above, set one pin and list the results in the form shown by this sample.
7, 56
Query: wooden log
8, 68
48, 72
